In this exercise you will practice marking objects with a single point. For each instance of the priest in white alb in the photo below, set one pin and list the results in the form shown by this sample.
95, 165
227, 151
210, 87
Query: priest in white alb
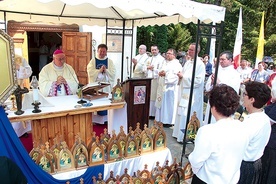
151, 68
166, 98
184, 92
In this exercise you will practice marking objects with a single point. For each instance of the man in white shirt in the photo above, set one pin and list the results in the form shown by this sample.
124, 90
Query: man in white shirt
244, 71
166, 98
151, 68
226, 75
139, 62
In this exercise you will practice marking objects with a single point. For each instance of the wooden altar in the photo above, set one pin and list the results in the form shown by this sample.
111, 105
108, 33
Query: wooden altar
64, 118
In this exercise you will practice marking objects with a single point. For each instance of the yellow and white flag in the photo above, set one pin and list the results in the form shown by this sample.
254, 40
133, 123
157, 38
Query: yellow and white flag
260, 50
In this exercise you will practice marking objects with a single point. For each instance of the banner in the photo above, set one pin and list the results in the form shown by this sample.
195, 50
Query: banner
260, 50
238, 43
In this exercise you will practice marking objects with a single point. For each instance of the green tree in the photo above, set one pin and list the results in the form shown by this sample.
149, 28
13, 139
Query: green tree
252, 14
179, 37
161, 38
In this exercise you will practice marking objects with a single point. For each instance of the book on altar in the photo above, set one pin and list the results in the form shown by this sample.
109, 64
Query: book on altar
94, 90
100, 63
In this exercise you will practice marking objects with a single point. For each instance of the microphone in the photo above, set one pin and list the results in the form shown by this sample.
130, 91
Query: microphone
79, 84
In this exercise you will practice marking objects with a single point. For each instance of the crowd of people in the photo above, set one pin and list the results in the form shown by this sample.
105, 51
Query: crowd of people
226, 150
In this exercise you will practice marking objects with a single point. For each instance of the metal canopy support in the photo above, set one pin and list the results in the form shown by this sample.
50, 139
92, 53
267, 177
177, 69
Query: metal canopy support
123, 32
201, 33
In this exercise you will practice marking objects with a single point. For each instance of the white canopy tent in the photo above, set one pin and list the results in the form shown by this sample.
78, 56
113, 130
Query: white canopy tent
112, 13
125, 14
94, 12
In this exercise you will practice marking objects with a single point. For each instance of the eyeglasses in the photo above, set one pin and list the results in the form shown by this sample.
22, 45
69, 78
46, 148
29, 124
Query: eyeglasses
169, 53
60, 59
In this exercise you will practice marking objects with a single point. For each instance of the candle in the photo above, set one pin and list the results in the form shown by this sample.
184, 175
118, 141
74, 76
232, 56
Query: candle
35, 95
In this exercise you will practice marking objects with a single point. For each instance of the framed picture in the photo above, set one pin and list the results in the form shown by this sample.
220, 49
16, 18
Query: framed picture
114, 43
139, 94
7, 65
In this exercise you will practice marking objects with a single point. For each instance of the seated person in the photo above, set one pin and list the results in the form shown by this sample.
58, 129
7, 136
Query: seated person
58, 78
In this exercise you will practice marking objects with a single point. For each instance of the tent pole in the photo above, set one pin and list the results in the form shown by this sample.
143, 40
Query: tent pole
123, 49
191, 90
198, 36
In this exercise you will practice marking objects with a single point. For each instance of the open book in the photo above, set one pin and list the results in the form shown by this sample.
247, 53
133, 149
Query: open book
94, 90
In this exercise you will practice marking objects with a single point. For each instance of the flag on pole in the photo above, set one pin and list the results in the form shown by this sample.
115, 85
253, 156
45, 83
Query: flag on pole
238, 43
260, 50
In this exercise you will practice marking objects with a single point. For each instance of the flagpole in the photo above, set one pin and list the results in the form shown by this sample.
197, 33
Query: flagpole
260, 50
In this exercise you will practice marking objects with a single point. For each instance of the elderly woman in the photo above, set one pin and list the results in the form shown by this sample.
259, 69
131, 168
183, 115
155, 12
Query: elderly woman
255, 96
220, 147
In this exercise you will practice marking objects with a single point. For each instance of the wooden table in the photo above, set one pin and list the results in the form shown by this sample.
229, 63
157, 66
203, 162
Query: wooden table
63, 119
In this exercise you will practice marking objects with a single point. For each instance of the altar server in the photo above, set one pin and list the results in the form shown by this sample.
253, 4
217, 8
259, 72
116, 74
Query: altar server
101, 69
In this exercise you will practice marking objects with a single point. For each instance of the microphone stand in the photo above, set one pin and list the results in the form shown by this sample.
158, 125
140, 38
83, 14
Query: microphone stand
80, 93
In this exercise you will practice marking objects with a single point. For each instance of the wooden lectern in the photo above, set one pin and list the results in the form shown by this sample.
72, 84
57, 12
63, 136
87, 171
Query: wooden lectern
137, 97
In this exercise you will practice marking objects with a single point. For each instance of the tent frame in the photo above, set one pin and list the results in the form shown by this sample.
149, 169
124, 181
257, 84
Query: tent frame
219, 29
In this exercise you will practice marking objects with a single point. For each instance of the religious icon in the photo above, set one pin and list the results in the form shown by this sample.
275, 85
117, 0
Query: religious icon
97, 155
117, 93
44, 163
114, 151
139, 94
146, 144
65, 161
131, 147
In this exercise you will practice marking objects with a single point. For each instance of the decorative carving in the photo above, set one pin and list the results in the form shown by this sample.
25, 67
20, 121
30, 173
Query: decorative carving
17, 27
192, 128
111, 179
7, 63
117, 93
188, 173
146, 140
131, 145
125, 178
80, 153
65, 159
114, 149
97, 155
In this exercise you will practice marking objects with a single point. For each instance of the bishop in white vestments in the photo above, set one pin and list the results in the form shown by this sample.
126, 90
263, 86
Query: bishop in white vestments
58, 78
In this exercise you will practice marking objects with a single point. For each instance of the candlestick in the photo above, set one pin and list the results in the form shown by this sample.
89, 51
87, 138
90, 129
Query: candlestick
35, 95
36, 103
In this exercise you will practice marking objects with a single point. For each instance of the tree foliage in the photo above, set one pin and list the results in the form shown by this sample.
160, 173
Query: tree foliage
179, 36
